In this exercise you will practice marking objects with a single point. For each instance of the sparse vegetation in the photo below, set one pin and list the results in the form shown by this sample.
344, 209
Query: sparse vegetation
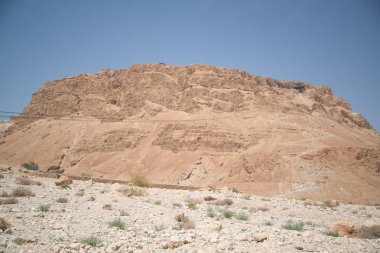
228, 214
157, 202
118, 223
219, 227
329, 203
44, 208
19, 241
62, 200
66, 187
1, 176
30, 166
8, 201
210, 212
139, 180
297, 226
27, 181
4, 225
265, 199
185, 222
331, 233
176, 204
159, 228
91, 240
242, 216
22, 192
138, 192
268, 223
224, 202
192, 205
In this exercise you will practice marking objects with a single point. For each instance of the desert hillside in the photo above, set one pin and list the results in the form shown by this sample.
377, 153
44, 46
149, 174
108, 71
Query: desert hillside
200, 126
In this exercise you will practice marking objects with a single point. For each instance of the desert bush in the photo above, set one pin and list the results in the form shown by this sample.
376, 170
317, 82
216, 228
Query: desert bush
44, 208
329, 203
176, 204
242, 216
107, 207
27, 181
65, 186
157, 202
210, 212
4, 225
331, 233
22, 192
265, 199
137, 191
30, 166
209, 198
117, 224
139, 180
192, 205
8, 201
180, 217
159, 228
1, 176
62, 200
228, 214
19, 241
290, 225
268, 223
224, 202
91, 240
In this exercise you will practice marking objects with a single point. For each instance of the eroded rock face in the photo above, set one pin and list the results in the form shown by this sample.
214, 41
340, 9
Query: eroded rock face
200, 125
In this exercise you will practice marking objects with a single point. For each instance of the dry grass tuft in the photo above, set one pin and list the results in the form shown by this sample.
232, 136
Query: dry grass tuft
27, 181
22, 192
139, 180
185, 222
4, 225
224, 202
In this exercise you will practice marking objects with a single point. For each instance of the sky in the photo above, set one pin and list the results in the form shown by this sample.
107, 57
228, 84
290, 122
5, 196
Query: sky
324, 42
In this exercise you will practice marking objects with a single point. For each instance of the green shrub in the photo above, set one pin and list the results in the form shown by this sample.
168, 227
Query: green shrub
210, 212
227, 213
117, 224
44, 208
179, 205
331, 233
66, 186
139, 180
30, 166
268, 223
19, 241
192, 205
92, 241
157, 202
62, 200
290, 225
242, 216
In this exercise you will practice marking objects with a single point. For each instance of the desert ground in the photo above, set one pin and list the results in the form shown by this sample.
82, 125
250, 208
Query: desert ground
87, 216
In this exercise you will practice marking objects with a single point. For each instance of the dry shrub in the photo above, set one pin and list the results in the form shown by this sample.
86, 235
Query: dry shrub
209, 198
27, 181
224, 202
185, 222
1, 176
139, 180
4, 225
107, 207
22, 192
8, 201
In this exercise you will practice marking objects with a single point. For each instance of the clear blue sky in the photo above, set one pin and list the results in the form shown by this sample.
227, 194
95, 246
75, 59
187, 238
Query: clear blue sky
325, 42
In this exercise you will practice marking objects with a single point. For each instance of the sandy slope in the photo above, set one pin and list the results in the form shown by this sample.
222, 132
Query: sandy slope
202, 126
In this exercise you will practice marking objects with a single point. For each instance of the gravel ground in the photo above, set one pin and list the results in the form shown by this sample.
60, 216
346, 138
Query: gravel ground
148, 223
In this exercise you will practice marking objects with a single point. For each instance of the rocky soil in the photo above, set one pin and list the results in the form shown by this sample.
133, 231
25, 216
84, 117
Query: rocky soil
148, 223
